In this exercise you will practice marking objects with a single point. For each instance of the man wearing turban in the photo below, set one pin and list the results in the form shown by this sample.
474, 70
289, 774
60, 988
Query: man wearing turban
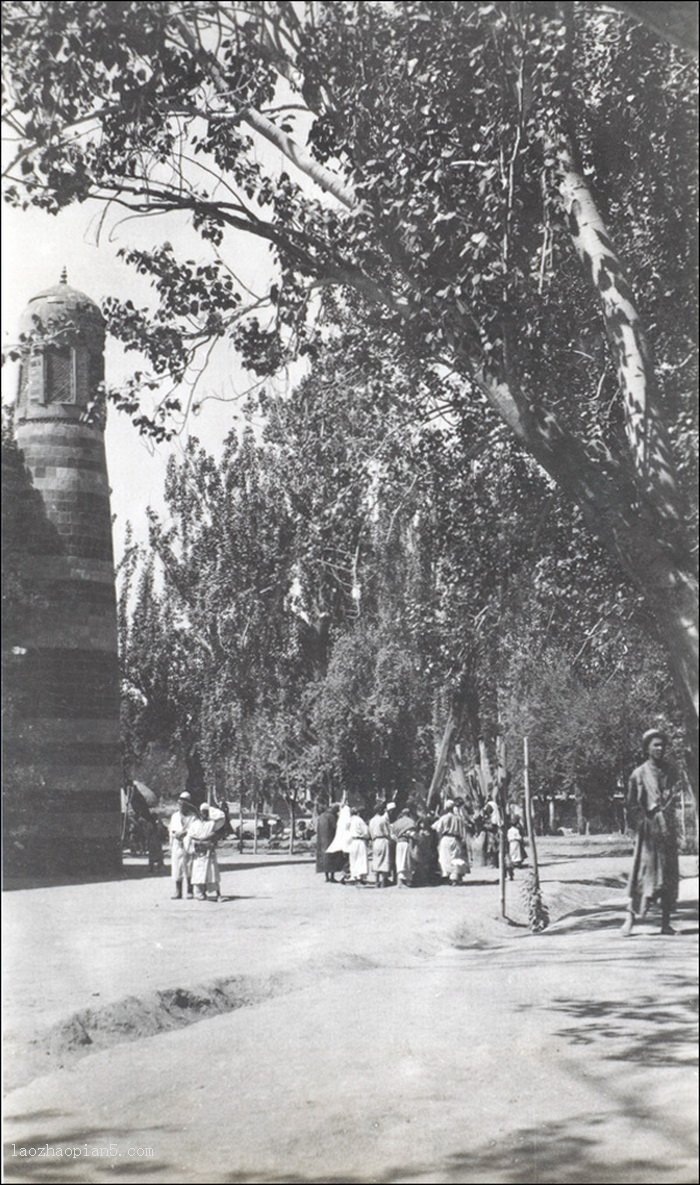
651, 803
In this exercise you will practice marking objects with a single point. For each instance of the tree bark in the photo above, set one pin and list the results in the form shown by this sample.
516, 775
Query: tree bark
646, 433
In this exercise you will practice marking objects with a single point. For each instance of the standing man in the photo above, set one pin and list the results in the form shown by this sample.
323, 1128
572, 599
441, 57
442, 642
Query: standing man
358, 843
201, 843
452, 850
404, 829
651, 804
180, 860
380, 834
328, 862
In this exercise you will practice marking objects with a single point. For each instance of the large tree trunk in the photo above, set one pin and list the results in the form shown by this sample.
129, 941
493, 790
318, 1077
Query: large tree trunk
646, 433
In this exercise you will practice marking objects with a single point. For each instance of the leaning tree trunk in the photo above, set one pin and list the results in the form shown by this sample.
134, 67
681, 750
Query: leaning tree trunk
669, 583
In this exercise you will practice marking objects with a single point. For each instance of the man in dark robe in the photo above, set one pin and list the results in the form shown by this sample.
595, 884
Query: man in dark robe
651, 805
327, 862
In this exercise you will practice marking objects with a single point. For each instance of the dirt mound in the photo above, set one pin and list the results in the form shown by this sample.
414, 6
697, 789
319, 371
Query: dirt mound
134, 1017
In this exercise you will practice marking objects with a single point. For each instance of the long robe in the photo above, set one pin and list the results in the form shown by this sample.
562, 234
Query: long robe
651, 803
404, 829
380, 834
180, 858
358, 838
452, 848
423, 856
201, 842
515, 848
341, 839
325, 834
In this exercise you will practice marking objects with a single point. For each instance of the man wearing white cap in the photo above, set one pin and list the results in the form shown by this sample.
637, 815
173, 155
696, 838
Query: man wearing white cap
180, 859
200, 841
651, 803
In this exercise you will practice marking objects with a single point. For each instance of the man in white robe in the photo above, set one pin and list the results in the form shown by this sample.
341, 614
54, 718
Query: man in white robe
452, 849
341, 839
358, 839
201, 843
180, 859
380, 834
404, 829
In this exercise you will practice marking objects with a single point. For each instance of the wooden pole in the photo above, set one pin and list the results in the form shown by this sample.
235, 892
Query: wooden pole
528, 810
501, 803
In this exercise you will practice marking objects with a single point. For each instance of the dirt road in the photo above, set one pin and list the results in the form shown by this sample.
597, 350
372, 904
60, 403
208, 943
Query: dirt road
304, 1032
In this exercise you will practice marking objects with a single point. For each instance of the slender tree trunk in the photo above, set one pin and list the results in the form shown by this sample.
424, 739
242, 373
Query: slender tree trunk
485, 768
528, 812
442, 757
580, 817
501, 800
292, 823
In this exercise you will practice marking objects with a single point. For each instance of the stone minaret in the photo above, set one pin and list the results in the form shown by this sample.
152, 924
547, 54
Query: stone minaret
62, 759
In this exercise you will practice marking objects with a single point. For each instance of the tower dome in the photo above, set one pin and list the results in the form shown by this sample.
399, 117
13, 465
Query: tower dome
62, 340
60, 306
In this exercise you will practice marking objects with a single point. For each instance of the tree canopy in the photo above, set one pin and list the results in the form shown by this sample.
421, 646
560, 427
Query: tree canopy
461, 180
324, 596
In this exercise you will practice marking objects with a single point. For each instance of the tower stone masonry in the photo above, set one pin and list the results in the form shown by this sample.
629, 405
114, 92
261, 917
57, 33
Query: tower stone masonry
61, 755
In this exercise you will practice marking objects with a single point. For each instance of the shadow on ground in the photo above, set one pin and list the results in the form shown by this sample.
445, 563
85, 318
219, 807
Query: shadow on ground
640, 1030
609, 917
564, 1153
570, 1152
229, 862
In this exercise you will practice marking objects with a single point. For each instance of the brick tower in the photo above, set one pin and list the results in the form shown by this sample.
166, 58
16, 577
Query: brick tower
62, 760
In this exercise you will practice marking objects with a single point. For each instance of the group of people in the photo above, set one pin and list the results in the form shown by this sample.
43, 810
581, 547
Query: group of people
407, 848
411, 848
194, 834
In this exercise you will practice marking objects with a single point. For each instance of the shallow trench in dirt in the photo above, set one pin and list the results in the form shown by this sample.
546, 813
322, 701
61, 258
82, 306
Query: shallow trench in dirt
133, 1017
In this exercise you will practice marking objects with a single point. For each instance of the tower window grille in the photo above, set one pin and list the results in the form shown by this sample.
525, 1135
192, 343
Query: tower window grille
60, 379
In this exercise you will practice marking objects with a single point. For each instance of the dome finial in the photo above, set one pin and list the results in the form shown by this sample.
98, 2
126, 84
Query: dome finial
64, 276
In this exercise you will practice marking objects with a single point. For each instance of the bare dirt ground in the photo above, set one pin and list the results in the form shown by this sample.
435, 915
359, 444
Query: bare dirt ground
301, 1032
